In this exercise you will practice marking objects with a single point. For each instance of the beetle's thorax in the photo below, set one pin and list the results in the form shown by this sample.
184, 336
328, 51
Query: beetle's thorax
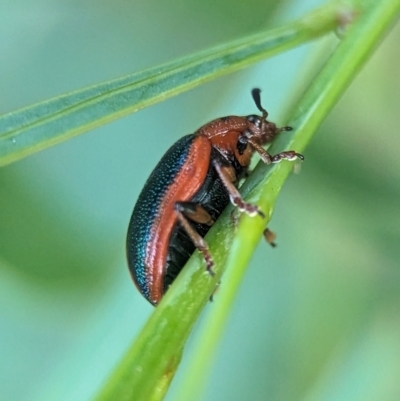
229, 135
223, 125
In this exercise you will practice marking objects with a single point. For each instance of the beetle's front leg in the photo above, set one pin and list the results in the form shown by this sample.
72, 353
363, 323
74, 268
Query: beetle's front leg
268, 159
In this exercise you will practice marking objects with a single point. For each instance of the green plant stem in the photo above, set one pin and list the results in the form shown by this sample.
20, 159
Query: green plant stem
148, 367
32, 129
372, 22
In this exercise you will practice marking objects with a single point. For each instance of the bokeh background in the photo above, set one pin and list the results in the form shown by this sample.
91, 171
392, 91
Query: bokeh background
317, 318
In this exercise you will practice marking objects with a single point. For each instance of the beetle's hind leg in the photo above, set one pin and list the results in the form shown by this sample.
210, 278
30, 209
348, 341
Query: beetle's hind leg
228, 177
196, 213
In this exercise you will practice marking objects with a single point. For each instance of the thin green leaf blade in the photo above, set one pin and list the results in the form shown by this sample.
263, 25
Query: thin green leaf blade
37, 127
152, 360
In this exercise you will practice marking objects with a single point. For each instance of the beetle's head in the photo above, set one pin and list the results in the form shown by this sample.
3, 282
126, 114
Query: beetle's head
259, 128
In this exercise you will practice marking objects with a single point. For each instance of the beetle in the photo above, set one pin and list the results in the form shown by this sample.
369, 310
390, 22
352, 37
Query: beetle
188, 190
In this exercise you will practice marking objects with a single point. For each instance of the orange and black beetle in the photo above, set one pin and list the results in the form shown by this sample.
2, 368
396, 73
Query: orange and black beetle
188, 190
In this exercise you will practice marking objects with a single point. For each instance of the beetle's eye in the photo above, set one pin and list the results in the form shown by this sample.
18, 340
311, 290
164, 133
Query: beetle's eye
254, 119
241, 145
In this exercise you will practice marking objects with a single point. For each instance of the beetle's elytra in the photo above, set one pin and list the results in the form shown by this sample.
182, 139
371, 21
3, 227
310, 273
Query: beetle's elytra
188, 190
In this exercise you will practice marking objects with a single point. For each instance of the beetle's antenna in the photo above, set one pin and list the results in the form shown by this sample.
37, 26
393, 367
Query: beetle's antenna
255, 93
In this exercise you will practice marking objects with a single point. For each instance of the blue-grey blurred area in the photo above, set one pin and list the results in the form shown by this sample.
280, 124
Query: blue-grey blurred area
317, 318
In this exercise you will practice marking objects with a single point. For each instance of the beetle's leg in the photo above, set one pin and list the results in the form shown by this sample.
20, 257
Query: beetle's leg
268, 159
197, 239
270, 237
195, 212
226, 174
286, 128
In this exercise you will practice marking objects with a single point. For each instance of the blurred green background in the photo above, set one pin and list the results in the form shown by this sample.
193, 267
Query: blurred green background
317, 318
